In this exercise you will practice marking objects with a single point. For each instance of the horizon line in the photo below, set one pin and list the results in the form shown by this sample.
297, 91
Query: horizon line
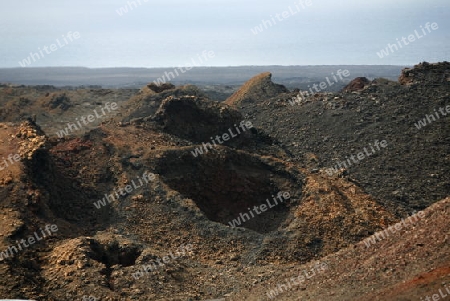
203, 67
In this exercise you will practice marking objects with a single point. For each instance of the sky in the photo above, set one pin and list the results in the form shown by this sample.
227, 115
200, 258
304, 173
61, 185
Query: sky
149, 33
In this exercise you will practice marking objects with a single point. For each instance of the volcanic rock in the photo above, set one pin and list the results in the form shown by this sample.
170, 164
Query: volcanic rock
357, 84
256, 89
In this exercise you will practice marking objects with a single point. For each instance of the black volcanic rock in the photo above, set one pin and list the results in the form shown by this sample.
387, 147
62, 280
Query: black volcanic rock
196, 119
412, 172
424, 72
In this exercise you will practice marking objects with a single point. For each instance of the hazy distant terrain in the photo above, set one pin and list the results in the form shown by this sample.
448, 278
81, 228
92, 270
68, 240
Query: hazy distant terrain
290, 76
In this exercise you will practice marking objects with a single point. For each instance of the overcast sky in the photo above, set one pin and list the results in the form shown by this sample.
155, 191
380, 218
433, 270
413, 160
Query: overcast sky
172, 32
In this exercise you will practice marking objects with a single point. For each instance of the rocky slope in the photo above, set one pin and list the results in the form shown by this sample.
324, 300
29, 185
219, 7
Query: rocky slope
53, 108
256, 89
410, 263
335, 126
146, 210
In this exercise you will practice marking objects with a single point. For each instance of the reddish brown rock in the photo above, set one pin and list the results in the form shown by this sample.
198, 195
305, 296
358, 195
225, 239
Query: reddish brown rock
357, 84
258, 88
